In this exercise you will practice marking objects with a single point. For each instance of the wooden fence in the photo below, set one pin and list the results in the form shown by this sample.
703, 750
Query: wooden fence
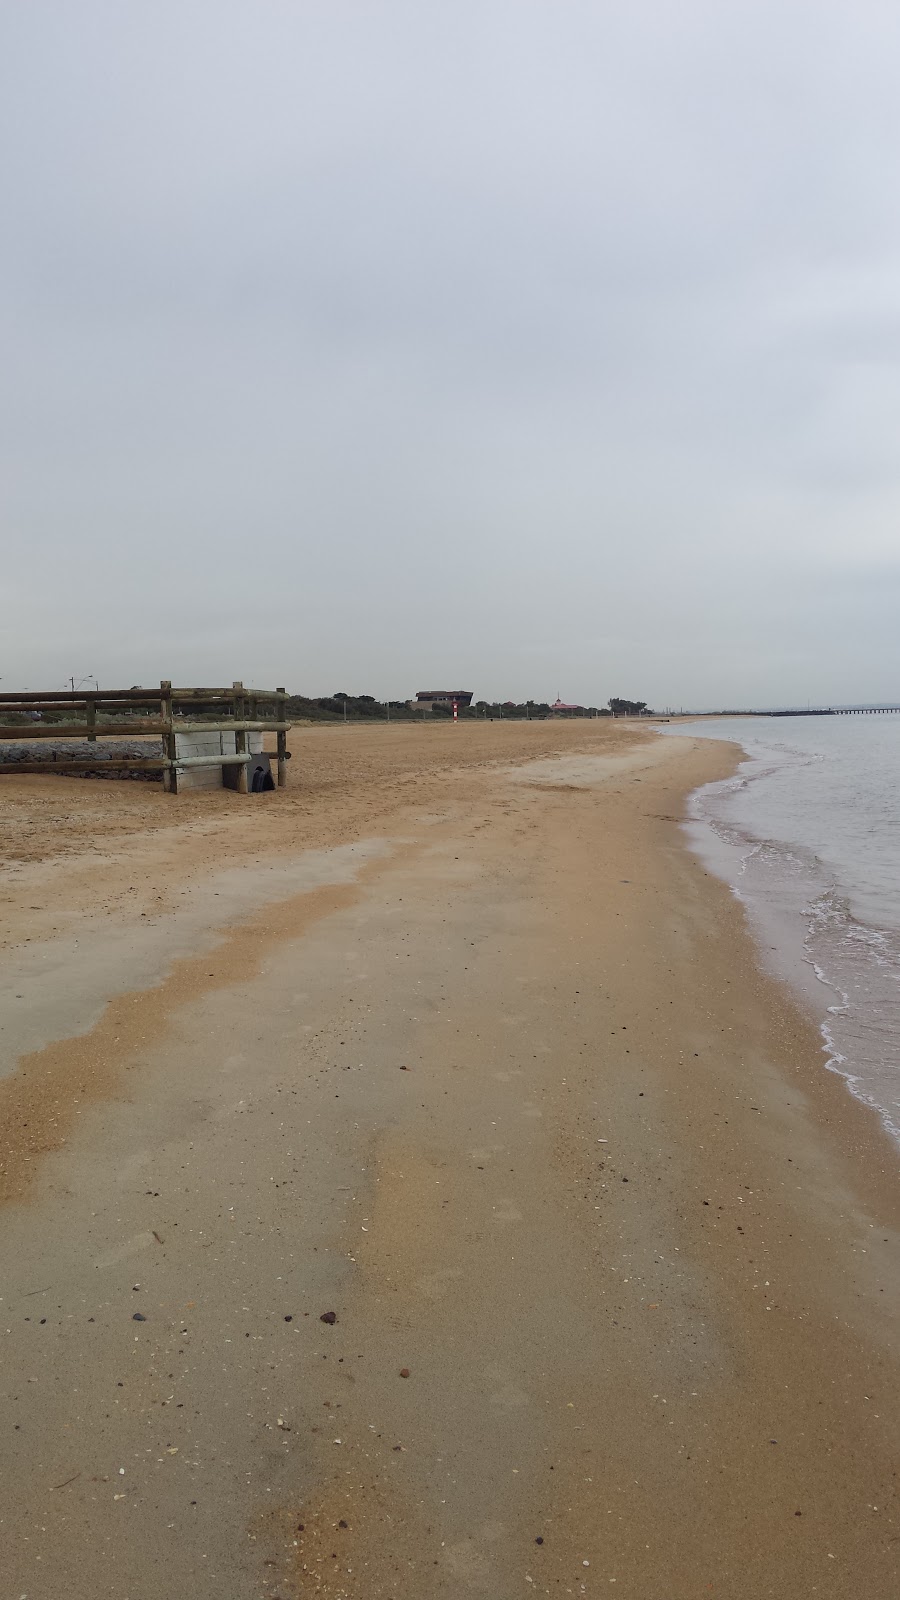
164, 712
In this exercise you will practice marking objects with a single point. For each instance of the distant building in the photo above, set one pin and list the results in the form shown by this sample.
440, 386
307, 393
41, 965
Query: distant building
426, 698
559, 708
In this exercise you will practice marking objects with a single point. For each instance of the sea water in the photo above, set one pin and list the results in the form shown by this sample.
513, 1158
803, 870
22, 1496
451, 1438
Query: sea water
807, 833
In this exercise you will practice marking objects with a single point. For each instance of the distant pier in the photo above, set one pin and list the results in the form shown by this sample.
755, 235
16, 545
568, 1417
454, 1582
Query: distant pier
837, 711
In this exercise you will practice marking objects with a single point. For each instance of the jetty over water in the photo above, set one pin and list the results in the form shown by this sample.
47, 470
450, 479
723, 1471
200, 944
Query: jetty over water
836, 711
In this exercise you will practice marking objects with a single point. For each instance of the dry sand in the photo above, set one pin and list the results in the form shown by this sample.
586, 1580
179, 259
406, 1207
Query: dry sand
454, 1039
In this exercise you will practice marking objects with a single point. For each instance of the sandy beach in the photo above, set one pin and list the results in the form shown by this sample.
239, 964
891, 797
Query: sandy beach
413, 1187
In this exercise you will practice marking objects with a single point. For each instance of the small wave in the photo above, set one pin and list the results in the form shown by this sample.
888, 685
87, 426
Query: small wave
855, 961
837, 1063
803, 915
823, 978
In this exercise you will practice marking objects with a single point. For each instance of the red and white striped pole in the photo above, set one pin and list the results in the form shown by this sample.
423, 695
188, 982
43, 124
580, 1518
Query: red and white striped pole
455, 712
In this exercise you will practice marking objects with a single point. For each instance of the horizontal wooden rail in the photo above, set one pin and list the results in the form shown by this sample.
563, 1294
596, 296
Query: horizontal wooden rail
65, 697
82, 730
133, 730
84, 764
213, 761
262, 725
222, 761
158, 764
13, 703
136, 697
186, 696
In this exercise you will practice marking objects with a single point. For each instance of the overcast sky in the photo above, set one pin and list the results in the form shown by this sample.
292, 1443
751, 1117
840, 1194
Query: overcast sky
522, 347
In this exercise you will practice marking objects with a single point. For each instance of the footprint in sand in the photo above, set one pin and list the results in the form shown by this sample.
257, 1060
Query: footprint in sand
235, 1108
128, 1169
493, 1530
435, 1285
468, 1565
509, 1398
121, 1252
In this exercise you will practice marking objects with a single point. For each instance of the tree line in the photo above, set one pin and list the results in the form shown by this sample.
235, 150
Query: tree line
341, 706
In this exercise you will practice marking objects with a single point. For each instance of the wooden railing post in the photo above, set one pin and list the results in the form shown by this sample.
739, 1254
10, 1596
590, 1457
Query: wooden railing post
170, 774
281, 739
90, 718
240, 739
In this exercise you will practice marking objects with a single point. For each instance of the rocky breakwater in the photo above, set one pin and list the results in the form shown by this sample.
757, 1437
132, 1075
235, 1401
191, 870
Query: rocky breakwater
55, 755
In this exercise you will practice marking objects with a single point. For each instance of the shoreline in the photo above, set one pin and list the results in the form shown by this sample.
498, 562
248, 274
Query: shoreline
616, 1219
779, 919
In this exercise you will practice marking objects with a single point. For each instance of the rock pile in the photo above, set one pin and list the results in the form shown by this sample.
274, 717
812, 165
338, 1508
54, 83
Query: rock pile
51, 753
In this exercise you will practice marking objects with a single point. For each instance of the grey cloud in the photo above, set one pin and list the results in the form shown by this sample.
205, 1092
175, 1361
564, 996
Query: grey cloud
550, 345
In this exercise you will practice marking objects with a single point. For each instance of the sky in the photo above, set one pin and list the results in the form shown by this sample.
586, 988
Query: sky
380, 345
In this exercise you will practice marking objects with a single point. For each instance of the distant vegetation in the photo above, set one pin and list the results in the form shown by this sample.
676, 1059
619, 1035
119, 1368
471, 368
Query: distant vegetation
627, 708
353, 707
340, 706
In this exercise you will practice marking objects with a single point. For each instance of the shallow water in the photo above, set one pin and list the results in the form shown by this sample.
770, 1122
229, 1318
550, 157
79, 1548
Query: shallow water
808, 835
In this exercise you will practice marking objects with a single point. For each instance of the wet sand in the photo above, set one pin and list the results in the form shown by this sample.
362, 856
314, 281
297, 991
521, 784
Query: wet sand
456, 1040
